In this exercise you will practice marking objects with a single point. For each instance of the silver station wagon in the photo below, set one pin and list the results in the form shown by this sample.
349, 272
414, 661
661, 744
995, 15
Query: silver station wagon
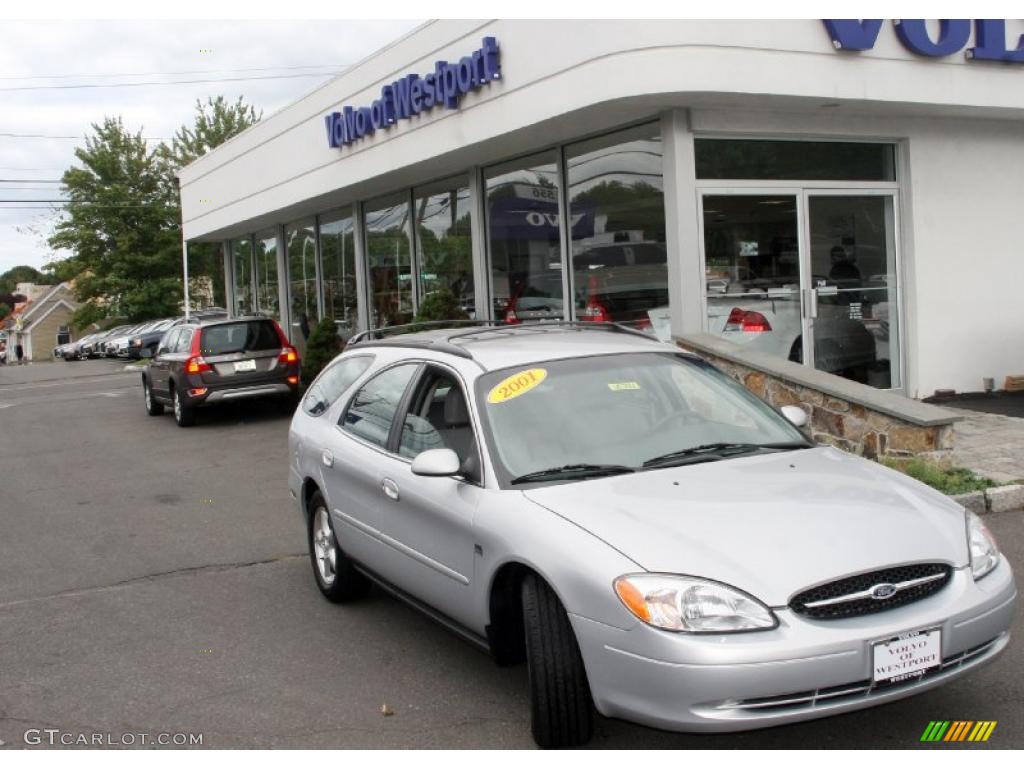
654, 542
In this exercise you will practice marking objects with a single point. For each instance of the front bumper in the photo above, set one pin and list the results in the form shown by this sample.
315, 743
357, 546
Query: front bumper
801, 670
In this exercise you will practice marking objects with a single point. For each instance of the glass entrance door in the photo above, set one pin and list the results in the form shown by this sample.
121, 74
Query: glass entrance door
752, 271
808, 276
853, 305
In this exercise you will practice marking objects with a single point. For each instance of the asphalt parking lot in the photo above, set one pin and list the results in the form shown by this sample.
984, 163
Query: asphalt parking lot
154, 579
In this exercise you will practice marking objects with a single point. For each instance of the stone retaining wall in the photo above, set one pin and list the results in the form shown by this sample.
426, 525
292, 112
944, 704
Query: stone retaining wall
849, 423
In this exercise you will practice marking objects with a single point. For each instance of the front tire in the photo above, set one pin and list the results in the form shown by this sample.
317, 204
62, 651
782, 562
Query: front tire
183, 414
337, 579
562, 712
153, 408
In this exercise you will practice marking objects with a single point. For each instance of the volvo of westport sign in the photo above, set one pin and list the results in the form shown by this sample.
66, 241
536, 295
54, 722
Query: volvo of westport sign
412, 94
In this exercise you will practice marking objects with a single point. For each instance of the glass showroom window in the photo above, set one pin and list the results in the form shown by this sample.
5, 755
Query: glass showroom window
388, 261
304, 312
444, 252
338, 255
241, 259
524, 239
617, 208
266, 274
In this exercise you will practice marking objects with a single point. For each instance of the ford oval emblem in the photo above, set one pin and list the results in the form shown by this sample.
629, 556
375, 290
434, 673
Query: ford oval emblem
883, 591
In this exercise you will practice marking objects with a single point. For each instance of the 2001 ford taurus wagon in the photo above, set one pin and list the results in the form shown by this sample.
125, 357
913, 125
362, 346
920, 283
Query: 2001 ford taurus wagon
653, 540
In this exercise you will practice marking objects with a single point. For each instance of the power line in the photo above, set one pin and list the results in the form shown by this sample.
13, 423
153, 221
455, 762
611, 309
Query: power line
77, 138
31, 181
181, 72
161, 82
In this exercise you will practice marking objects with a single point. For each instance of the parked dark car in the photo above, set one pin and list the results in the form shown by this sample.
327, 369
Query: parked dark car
206, 362
148, 337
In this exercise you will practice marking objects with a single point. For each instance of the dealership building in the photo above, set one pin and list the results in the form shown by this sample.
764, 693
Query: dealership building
845, 194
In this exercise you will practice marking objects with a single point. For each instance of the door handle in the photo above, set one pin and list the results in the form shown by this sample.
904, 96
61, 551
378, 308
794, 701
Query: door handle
327, 458
810, 303
390, 488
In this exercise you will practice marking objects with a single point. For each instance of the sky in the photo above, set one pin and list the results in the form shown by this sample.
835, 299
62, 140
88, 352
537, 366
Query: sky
38, 55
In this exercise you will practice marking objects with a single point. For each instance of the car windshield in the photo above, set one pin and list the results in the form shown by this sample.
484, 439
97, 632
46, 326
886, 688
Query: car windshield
246, 336
587, 417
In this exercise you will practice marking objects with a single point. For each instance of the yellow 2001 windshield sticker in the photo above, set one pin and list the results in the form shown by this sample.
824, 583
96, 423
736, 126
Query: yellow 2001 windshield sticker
515, 385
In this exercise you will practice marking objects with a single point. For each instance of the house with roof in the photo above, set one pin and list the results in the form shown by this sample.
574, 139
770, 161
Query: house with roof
39, 324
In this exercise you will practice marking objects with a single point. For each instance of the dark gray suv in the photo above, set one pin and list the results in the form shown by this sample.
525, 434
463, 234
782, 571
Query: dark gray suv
205, 362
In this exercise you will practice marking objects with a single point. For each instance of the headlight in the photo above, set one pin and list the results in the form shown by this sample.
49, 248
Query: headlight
981, 542
688, 604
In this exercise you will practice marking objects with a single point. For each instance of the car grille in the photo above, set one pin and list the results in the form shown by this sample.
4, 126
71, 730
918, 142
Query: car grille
853, 596
861, 689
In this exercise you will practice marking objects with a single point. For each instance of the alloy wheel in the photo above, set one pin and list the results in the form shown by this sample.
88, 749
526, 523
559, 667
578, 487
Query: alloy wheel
324, 547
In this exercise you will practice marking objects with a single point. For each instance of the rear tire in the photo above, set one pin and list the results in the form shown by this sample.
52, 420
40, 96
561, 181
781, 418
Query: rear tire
335, 575
183, 414
153, 408
562, 711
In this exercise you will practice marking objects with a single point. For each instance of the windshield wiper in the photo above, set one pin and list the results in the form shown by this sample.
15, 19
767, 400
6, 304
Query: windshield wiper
715, 451
573, 470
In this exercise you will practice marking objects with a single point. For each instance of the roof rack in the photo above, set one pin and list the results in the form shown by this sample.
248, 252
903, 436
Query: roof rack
394, 335
425, 325
583, 325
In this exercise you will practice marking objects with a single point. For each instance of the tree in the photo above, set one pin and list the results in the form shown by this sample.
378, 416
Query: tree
322, 346
215, 122
122, 224
121, 228
20, 274
4, 310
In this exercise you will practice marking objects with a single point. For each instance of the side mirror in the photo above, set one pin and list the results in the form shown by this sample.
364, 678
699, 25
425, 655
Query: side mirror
436, 462
145, 353
795, 415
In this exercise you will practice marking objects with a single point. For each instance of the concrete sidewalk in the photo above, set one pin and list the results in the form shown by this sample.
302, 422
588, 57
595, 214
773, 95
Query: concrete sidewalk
990, 445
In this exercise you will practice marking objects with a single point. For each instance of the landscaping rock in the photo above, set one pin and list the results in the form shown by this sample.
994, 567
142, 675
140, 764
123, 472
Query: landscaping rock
1005, 498
974, 501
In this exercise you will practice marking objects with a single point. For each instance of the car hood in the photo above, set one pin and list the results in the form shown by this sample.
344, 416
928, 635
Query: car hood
770, 524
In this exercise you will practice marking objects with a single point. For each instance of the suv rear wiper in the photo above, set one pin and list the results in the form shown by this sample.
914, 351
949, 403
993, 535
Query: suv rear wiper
573, 470
714, 451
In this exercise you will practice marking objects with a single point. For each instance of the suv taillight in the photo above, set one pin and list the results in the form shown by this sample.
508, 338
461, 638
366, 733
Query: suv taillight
196, 364
747, 320
288, 353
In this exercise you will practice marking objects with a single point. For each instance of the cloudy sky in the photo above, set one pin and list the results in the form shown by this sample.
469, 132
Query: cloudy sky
44, 64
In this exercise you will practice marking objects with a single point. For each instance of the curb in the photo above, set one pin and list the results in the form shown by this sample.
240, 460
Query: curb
1002, 498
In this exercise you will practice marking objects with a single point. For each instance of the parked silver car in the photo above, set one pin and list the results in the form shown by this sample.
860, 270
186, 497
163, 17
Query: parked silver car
653, 540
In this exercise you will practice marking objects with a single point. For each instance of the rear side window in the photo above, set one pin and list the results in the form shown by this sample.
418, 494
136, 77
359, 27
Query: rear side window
335, 380
167, 343
372, 410
184, 341
246, 336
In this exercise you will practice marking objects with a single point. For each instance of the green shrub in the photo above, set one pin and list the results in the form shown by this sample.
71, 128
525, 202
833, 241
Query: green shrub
950, 480
440, 305
322, 346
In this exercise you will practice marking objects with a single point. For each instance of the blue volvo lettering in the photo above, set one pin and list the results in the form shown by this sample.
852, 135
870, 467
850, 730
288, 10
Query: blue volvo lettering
913, 34
410, 95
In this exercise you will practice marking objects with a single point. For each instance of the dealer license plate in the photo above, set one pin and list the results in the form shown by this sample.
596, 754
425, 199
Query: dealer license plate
909, 655
245, 365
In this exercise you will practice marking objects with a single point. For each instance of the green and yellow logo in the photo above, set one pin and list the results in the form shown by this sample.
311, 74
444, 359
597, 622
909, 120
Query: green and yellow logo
958, 730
